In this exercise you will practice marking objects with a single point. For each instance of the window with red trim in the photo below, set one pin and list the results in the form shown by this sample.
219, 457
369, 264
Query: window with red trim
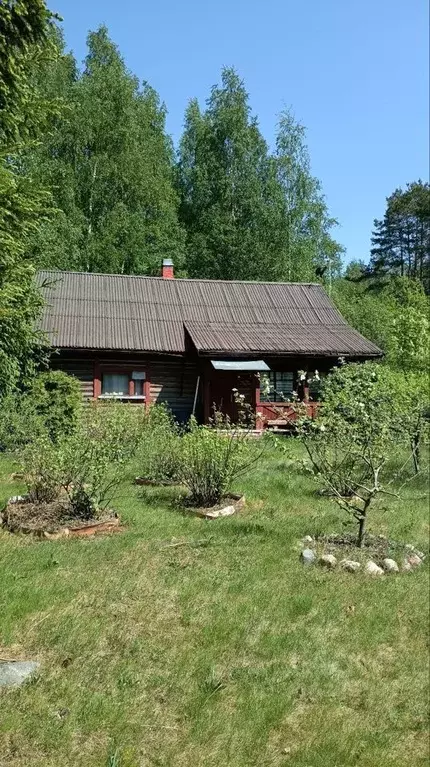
123, 384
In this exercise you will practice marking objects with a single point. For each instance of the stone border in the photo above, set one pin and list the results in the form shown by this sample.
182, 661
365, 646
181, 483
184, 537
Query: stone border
225, 511
309, 557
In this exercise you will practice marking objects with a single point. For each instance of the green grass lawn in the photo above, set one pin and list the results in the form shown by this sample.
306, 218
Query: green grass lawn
224, 651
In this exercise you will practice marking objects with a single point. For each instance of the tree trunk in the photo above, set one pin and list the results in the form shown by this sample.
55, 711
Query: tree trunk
416, 452
362, 524
361, 528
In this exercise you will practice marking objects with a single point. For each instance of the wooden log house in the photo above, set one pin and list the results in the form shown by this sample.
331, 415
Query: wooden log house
194, 344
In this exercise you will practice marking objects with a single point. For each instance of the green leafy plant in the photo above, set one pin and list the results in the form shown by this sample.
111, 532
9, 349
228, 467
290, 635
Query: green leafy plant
50, 406
212, 457
57, 400
43, 470
159, 454
365, 417
19, 422
86, 466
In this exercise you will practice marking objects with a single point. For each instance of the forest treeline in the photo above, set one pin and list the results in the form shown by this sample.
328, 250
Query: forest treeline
91, 181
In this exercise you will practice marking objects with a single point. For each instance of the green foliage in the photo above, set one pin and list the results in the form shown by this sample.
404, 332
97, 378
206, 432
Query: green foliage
111, 179
24, 33
87, 465
49, 407
394, 314
57, 400
368, 411
160, 447
248, 214
20, 345
307, 249
19, 423
211, 460
43, 469
401, 240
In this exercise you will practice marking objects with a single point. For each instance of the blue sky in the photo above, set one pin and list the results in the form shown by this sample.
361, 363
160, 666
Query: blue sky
355, 73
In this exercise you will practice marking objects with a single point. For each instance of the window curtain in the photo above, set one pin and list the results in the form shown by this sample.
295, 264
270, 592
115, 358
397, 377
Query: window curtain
115, 383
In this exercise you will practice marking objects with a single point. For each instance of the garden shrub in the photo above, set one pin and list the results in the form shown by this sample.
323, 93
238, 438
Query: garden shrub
19, 422
43, 469
87, 465
159, 458
368, 414
211, 459
57, 400
98, 451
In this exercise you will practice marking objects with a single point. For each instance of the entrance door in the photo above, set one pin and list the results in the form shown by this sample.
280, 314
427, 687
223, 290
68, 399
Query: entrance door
225, 388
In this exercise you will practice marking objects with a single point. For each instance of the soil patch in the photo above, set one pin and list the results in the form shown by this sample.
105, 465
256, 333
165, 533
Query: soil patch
53, 519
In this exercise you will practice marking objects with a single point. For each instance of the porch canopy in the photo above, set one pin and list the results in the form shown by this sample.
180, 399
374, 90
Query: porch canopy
240, 365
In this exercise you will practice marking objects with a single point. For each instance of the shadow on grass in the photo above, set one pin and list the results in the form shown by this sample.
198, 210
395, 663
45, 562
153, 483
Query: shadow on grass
168, 497
244, 528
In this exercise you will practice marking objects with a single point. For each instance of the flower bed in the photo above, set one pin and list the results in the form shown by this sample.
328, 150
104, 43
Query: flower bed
54, 519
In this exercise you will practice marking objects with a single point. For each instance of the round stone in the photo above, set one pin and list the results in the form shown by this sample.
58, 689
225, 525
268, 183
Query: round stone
308, 557
350, 565
14, 673
390, 565
414, 560
328, 560
372, 568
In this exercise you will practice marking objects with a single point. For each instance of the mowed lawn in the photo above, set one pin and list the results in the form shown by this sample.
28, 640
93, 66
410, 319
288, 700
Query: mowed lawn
223, 651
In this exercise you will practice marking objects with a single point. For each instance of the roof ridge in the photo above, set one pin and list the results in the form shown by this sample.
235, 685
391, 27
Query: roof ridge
178, 279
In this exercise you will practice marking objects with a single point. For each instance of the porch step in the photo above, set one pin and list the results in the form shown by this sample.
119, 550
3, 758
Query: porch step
280, 426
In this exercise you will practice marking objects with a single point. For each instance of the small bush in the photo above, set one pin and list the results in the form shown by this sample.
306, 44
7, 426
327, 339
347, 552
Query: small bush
57, 401
87, 465
43, 470
211, 460
98, 452
19, 422
160, 452
368, 413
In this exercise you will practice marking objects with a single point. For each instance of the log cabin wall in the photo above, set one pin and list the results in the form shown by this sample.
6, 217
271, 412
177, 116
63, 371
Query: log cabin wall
172, 380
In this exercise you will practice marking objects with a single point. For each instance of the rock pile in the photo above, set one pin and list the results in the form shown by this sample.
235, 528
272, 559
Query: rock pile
387, 566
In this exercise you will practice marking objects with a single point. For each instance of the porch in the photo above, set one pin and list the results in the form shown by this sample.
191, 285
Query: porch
258, 393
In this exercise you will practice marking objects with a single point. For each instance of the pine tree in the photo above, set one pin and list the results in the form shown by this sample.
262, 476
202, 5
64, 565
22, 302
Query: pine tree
110, 166
401, 240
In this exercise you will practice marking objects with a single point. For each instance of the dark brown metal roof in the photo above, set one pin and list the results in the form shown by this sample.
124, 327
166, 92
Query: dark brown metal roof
108, 311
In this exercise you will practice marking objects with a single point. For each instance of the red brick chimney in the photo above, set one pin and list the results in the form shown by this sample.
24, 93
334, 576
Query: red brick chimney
167, 272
